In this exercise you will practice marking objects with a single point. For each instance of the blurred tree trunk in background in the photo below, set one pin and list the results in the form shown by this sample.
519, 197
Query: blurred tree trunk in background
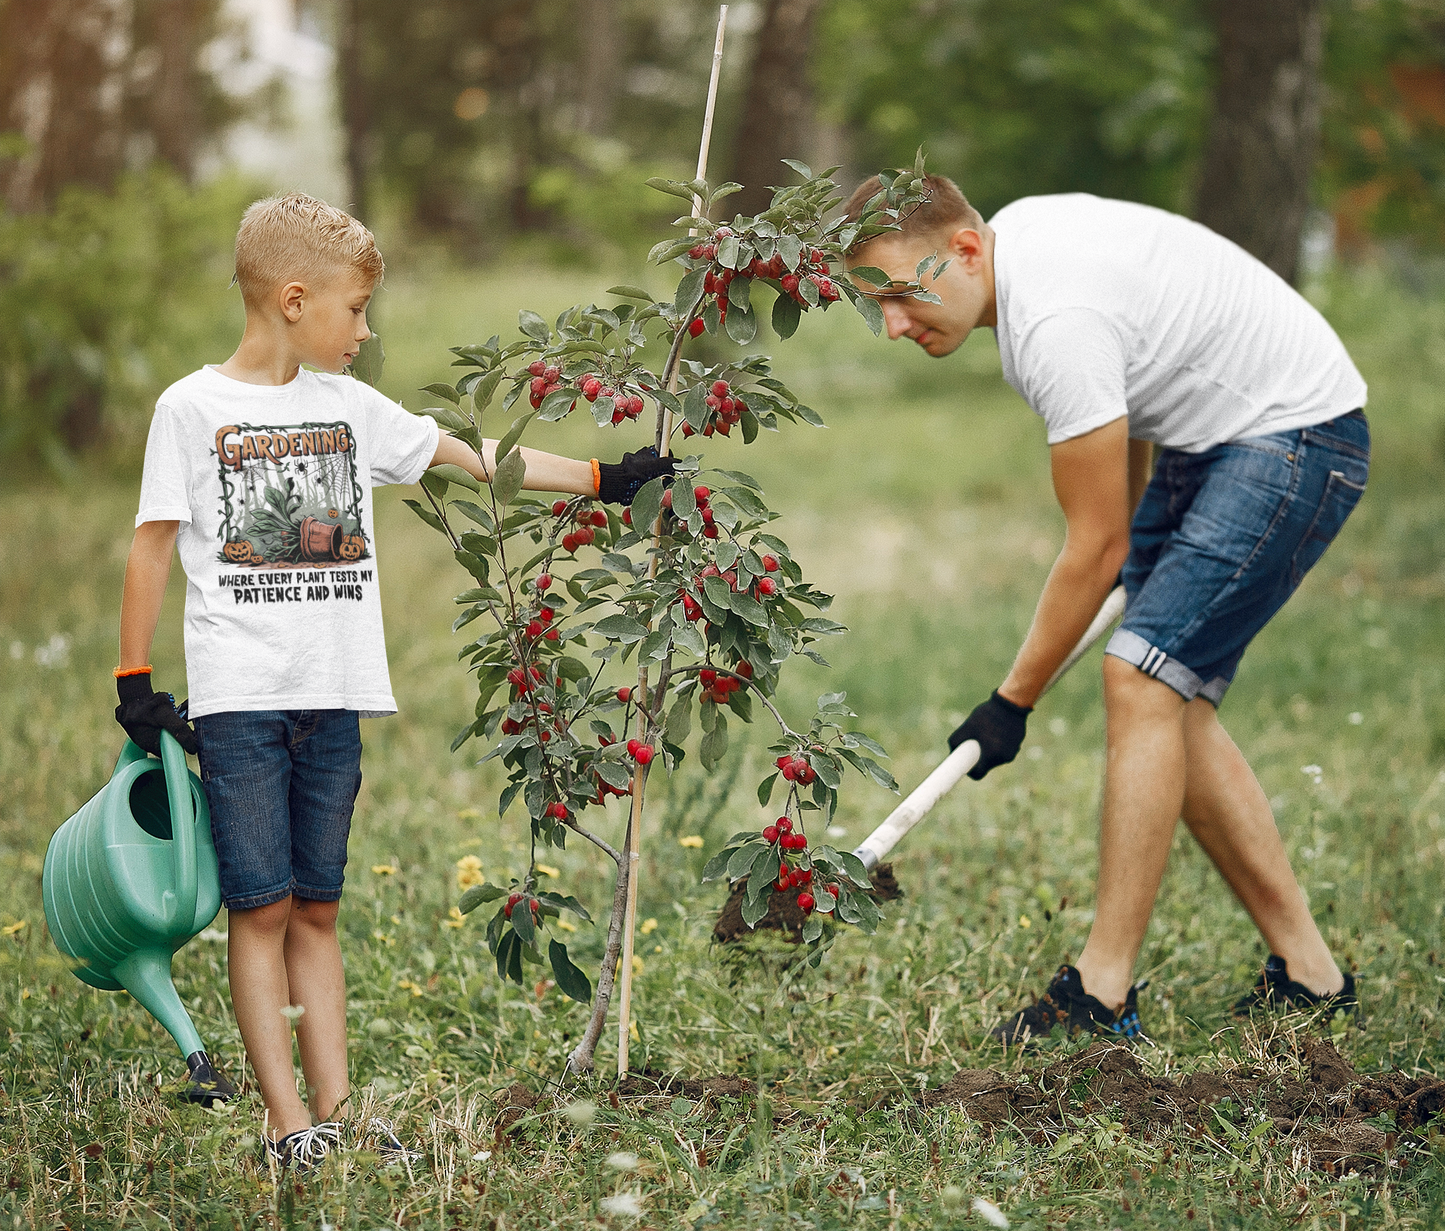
1264, 136
778, 104
61, 88
600, 69
176, 97
355, 105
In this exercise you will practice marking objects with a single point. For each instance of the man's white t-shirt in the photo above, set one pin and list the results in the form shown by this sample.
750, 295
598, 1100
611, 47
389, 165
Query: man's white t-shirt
272, 487
1108, 308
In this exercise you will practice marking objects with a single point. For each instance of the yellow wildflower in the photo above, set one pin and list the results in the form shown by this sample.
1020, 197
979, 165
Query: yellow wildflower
693, 841
565, 925
455, 918
649, 926
384, 869
469, 872
1025, 921
547, 869
407, 985
11, 928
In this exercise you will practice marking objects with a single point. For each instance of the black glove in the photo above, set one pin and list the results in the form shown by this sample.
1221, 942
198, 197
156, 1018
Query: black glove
618, 484
145, 714
998, 725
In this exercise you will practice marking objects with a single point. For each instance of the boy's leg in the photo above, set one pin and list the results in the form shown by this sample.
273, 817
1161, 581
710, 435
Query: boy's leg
314, 971
259, 991
1228, 814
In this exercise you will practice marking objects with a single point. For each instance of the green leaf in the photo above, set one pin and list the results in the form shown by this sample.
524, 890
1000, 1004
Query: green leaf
786, 315
533, 325
718, 865
478, 894
475, 512
570, 979
522, 922
790, 248
714, 744
486, 388
630, 292
765, 789
684, 503
449, 418
687, 637
801, 168
646, 505
514, 434
727, 251
455, 474
741, 862
426, 515
679, 720
367, 365
464, 734
870, 273
854, 868
742, 327
689, 291
828, 628
740, 294
672, 188
444, 391
749, 608
511, 474
621, 628
871, 313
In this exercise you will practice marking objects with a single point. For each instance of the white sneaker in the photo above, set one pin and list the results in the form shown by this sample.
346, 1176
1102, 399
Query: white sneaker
379, 1136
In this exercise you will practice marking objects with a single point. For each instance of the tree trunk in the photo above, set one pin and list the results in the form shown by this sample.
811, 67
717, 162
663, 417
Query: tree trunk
1264, 135
601, 67
355, 107
61, 65
778, 115
175, 112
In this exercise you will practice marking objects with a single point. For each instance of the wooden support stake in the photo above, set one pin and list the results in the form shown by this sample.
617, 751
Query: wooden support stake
633, 848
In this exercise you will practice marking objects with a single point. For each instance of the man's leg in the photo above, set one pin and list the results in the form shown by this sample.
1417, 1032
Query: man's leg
1143, 795
1228, 814
317, 981
259, 991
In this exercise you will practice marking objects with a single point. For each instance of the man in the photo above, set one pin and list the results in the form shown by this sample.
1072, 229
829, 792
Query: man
1127, 329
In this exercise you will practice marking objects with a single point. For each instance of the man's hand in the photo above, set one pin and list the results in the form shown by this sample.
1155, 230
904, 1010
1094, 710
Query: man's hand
144, 714
998, 726
619, 483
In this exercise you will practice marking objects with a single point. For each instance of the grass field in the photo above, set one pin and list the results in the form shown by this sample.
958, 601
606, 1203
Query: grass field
925, 507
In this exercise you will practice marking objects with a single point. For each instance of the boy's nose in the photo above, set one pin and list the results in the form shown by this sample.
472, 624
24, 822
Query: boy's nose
895, 318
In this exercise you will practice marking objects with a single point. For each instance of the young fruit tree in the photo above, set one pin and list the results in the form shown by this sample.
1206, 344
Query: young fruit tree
689, 586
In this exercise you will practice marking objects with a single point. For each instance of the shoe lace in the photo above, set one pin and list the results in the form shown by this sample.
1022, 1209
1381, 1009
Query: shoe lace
309, 1146
382, 1133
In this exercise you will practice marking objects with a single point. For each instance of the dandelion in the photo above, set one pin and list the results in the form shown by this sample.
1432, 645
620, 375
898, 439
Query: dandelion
580, 1113
454, 918
469, 872
408, 985
990, 1213
384, 869
649, 926
11, 929
293, 1012
622, 1161
546, 869
693, 841
628, 1204
1025, 921
637, 964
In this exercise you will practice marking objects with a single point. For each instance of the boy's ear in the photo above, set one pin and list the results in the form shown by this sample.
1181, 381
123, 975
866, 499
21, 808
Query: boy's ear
292, 298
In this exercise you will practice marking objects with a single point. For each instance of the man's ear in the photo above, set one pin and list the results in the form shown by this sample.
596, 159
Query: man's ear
292, 298
967, 248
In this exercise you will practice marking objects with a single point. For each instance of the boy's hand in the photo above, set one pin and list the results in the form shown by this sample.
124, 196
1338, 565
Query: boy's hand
998, 726
618, 484
144, 714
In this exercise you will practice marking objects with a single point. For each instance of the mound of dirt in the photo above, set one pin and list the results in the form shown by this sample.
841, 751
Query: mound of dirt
651, 1082
1326, 1112
783, 913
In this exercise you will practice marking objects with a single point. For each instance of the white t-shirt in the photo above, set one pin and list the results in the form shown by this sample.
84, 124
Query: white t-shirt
272, 487
1107, 308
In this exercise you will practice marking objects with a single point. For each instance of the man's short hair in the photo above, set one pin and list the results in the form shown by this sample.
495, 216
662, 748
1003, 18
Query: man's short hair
945, 210
296, 238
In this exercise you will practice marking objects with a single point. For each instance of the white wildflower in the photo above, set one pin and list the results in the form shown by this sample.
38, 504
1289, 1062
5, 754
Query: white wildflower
989, 1212
628, 1204
581, 1113
622, 1161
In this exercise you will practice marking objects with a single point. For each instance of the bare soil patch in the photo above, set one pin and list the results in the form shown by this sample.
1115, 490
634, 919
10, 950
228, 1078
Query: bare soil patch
783, 913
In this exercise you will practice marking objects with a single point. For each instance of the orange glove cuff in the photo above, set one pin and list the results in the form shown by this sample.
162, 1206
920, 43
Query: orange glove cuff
596, 477
121, 672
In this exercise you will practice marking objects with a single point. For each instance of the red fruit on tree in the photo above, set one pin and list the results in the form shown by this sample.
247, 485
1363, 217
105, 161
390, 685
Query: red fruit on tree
770, 563
783, 760
806, 903
551, 635
569, 542
710, 531
785, 825
632, 746
687, 430
599, 518
720, 388
544, 581
511, 902
790, 284
707, 676
782, 882
552, 374
618, 416
708, 516
625, 695
767, 586
545, 615
701, 493
770, 834
804, 876
591, 386
534, 629
558, 507
744, 669
634, 406
724, 429
833, 889
667, 499
627, 516
537, 367
643, 755
787, 771
696, 327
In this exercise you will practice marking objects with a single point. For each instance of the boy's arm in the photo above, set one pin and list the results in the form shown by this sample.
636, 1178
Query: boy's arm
147, 570
547, 472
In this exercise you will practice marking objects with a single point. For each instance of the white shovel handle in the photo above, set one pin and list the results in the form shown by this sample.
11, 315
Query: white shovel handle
963, 758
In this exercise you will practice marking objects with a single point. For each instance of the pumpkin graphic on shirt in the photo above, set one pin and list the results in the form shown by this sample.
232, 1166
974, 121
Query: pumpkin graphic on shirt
290, 495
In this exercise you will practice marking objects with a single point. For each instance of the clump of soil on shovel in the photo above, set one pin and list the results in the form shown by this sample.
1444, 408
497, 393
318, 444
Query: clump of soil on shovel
1325, 1110
783, 913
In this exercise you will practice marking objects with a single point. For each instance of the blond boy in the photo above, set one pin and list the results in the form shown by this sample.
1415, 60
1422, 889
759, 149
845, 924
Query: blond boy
260, 471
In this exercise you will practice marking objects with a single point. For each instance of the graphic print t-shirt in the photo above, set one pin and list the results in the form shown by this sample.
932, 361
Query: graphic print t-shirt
272, 487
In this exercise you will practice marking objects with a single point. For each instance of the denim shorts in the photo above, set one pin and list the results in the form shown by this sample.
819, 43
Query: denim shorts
281, 785
1222, 538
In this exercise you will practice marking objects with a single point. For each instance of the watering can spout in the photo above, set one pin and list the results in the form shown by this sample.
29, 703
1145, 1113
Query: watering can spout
130, 878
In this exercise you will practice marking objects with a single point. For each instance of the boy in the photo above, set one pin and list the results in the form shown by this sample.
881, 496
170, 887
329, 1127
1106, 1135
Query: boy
261, 471
1127, 328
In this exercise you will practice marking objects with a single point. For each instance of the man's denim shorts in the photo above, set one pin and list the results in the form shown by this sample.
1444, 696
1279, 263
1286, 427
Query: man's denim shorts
1222, 538
281, 785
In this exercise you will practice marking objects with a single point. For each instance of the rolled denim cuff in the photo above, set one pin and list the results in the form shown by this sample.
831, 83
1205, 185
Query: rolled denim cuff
1154, 662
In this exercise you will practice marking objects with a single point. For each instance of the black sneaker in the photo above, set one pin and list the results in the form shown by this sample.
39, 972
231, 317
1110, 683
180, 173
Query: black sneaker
1067, 1004
305, 1149
1274, 989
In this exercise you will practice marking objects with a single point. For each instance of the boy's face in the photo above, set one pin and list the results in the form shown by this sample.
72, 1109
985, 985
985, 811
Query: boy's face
328, 318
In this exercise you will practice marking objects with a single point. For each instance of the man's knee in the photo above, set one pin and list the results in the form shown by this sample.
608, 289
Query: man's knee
1129, 692
319, 916
269, 920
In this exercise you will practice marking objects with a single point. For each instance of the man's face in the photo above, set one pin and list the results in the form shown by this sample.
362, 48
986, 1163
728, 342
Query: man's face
965, 287
332, 324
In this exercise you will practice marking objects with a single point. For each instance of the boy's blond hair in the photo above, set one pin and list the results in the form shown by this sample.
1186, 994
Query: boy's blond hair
941, 214
296, 238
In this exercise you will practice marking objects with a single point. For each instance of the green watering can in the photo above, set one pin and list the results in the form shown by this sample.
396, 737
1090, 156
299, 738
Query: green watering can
125, 886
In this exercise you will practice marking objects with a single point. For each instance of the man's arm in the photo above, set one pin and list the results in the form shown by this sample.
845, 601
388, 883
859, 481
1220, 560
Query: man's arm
1141, 468
1092, 479
147, 569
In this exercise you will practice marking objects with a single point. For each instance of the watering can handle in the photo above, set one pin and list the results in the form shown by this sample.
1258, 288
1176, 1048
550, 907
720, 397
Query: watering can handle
183, 832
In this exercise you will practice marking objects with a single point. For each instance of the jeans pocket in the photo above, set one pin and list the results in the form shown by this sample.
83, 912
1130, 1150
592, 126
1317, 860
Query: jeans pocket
1339, 499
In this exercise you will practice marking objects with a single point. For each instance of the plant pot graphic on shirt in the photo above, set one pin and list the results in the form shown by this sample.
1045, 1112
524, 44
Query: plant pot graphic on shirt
321, 540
